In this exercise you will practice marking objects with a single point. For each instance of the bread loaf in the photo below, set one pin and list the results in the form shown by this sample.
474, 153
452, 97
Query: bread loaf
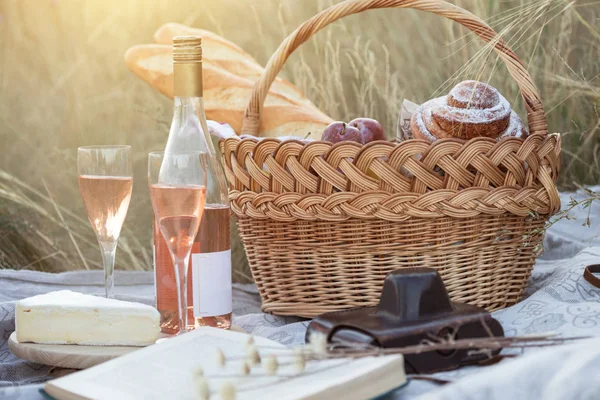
228, 78
227, 55
471, 109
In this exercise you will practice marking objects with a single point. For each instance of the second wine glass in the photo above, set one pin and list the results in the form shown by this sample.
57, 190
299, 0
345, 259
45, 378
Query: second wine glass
105, 182
177, 184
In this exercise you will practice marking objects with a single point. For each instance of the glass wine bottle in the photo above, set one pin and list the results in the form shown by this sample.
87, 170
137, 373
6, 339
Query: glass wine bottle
209, 286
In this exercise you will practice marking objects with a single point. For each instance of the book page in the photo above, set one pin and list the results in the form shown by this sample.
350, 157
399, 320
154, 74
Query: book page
166, 370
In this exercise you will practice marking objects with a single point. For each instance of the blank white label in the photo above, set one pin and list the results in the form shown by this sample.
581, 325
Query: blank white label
211, 274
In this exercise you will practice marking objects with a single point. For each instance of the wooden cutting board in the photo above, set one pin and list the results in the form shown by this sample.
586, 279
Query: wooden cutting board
70, 356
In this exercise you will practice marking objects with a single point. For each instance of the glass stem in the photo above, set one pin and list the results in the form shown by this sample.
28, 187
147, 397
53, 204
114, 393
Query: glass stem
108, 259
181, 267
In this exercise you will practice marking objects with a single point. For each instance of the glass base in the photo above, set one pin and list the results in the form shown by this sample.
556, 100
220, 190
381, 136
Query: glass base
169, 321
219, 321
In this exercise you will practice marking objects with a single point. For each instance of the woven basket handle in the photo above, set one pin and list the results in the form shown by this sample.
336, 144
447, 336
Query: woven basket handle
535, 110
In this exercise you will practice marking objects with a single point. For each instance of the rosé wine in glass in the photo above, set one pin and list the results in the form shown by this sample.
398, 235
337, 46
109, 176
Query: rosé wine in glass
106, 200
105, 183
178, 211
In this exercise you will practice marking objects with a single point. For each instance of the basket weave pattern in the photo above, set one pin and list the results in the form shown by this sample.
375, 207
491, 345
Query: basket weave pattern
323, 224
308, 268
321, 181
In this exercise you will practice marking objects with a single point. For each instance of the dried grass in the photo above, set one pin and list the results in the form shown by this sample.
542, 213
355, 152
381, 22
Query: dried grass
63, 84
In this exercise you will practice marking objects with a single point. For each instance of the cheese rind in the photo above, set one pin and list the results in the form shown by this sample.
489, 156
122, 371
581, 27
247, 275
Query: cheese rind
66, 317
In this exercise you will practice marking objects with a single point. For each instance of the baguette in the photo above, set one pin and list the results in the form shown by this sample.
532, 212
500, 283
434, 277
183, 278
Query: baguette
227, 55
213, 44
226, 95
228, 79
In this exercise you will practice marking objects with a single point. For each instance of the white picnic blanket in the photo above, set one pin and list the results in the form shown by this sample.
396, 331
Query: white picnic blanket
558, 300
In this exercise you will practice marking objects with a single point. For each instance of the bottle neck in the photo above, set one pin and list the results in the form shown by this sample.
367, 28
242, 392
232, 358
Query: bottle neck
189, 128
187, 79
189, 105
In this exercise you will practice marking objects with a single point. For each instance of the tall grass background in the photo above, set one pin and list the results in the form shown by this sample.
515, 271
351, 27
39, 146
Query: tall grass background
63, 84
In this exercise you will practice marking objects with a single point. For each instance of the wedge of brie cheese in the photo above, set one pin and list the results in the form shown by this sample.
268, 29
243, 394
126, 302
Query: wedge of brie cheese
66, 317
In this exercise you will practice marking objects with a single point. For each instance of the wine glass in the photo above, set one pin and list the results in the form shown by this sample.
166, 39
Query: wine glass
105, 182
177, 184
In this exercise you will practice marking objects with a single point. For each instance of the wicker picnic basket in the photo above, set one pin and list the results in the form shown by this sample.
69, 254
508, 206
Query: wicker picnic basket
323, 224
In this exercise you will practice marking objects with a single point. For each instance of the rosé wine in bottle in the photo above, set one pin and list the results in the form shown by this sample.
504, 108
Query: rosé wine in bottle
209, 286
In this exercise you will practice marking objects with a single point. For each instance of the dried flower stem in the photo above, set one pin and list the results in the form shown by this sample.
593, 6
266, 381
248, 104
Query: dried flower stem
492, 343
357, 350
586, 203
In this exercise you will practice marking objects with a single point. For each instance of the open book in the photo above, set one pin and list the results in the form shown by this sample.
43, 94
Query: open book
167, 370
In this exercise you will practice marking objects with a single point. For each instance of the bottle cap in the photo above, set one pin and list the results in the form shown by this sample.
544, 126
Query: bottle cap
187, 66
187, 49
